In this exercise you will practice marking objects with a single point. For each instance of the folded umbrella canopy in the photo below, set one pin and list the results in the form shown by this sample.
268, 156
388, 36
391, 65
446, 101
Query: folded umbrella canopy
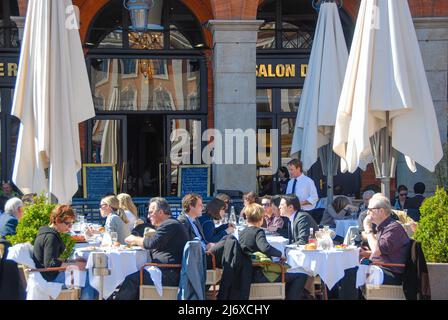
385, 87
52, 96
316, 116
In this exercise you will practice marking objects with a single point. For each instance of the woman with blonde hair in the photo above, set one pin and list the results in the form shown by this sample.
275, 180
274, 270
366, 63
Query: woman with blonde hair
129, 209
115, 218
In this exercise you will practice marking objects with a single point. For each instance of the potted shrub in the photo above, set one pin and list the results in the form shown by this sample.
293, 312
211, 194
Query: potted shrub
35, 216
432, 232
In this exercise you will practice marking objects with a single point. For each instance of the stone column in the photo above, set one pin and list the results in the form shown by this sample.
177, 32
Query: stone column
432, 34
234, 63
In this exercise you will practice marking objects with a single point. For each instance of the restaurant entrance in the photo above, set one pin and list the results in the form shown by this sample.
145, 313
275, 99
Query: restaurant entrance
139, 146
145, 141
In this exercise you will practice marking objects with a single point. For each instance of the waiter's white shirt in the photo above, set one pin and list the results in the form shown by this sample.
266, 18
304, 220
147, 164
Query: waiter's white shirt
305, 190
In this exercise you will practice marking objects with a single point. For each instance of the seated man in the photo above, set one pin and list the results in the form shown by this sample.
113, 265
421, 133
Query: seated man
165, 247
253, 239
192, 209
390, 244
272, 220
300, 222
10, 218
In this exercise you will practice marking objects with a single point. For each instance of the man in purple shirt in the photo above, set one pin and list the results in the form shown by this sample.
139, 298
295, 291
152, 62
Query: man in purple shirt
391, 243
272, 220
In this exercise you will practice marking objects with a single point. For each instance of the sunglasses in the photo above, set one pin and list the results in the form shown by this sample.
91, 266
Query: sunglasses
403, 194
267, 204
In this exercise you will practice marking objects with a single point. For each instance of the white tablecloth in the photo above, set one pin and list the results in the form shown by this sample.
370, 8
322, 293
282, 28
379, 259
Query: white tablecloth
278, 242
343, 225
120, 263
329, 264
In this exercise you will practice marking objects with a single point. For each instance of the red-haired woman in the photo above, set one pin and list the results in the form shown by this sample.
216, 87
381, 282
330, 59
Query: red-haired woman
48, 247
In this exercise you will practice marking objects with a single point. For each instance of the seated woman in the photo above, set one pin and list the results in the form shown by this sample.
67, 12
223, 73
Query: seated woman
215, 210
110, 208
129, 209
340, 209
253, 239
48, 247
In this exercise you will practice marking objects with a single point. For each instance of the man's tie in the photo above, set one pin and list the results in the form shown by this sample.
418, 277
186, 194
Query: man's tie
290, 237
293, 191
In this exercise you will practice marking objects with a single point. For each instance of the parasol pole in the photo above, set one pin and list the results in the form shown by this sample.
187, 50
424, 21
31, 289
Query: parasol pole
330, 173
385, 170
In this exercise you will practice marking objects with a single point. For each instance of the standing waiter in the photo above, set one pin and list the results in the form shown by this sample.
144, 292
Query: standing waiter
302, 186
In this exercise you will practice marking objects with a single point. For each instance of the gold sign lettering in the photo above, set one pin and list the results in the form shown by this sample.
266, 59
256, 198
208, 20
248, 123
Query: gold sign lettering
279, 70
303, 70
12, 69
8, 69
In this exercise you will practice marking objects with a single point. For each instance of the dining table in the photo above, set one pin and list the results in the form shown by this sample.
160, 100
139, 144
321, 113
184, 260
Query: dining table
121, 261
329, 265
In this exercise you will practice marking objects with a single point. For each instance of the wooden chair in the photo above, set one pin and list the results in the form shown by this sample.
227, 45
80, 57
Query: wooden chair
384, 292
66, 294
149, 292
269, 290
213, 277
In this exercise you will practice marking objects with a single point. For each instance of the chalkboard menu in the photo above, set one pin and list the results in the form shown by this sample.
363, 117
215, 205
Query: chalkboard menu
194, 179
98, 180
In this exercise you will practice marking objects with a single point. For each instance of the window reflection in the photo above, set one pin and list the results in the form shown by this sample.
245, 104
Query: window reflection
106, 141
264, 156
286, 134
183, 152
146, 84
290, 100
264, 100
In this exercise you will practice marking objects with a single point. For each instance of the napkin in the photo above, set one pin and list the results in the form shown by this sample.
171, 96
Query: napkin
156, 276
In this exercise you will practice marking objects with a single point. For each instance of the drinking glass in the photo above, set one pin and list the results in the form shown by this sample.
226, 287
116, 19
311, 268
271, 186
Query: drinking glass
114, 237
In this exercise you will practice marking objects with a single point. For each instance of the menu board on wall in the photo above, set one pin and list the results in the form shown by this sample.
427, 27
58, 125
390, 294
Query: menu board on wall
194, 179
99, 180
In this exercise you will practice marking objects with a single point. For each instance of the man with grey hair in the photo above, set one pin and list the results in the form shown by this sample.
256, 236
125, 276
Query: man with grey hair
391, 243
166, 246
10, 218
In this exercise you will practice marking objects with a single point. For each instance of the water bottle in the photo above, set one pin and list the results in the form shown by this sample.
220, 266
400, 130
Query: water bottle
232, 218
241, 220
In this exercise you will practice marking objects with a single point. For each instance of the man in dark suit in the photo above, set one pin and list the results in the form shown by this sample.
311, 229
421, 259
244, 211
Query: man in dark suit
416, 201
300, 222
412, 205
165, 247
192, 209
10, 218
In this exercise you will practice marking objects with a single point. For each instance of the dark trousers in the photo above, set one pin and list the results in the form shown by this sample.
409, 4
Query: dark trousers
295, 283
346, 289
391, 278
130, 289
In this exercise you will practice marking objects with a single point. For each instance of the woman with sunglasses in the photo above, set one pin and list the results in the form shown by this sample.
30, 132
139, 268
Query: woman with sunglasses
115, 218
49, 246
401, 198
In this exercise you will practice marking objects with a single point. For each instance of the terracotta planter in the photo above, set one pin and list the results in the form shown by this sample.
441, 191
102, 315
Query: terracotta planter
438, 280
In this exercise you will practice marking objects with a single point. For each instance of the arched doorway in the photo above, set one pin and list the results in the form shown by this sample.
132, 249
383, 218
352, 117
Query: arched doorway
143, 84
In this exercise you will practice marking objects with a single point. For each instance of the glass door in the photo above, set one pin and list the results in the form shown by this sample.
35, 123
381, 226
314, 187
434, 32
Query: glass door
9, 130
107, 144
184, 147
